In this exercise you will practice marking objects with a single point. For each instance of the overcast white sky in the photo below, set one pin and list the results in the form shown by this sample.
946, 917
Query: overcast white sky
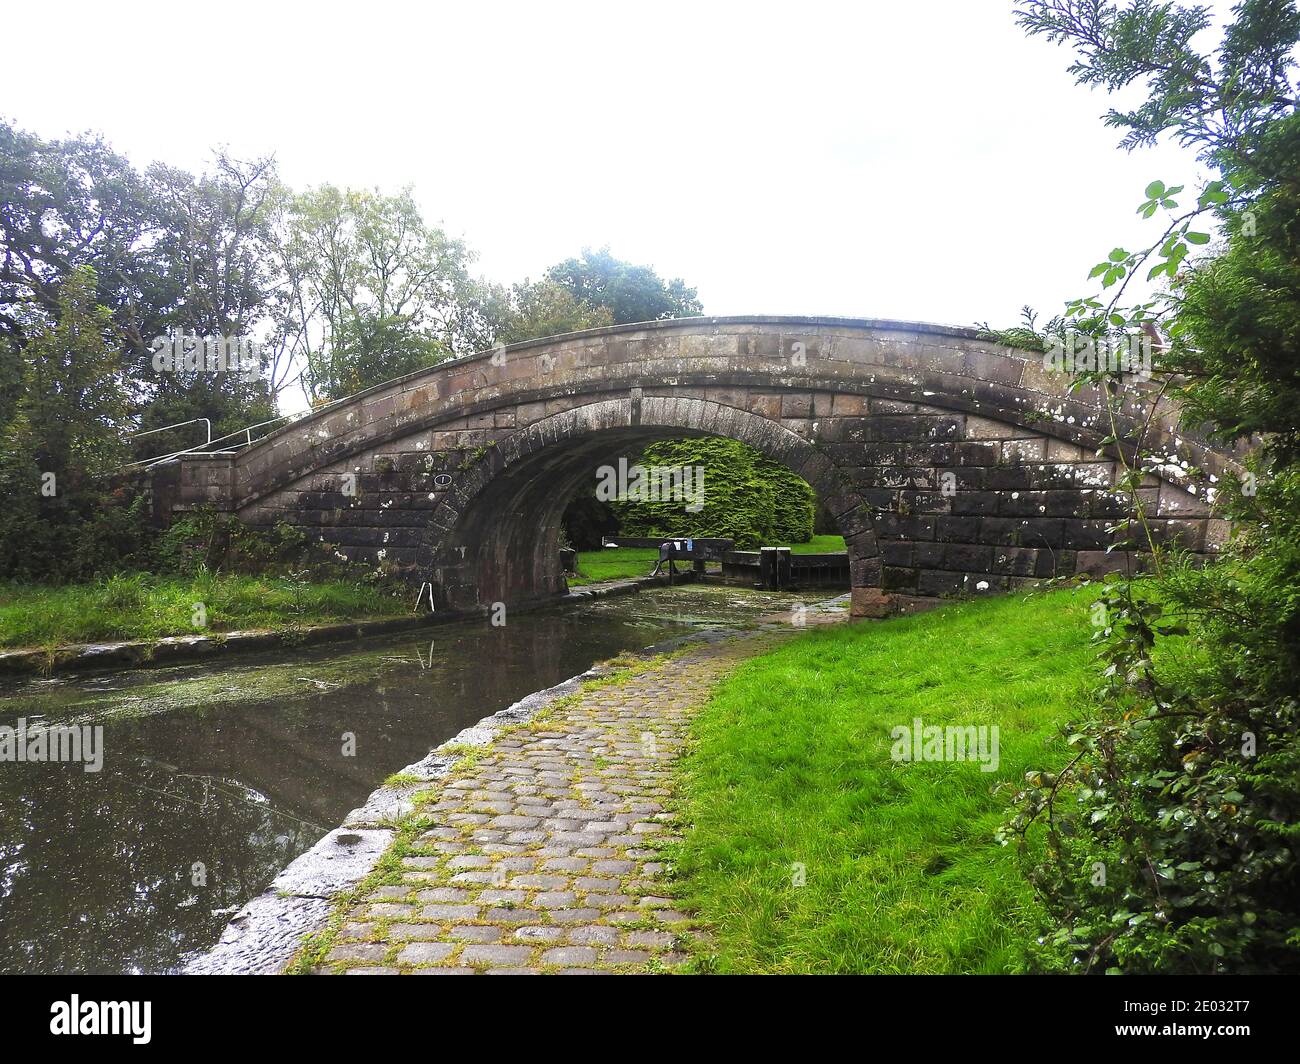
886, 158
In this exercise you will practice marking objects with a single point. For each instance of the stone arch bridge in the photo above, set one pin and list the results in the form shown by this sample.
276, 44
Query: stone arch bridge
951, 464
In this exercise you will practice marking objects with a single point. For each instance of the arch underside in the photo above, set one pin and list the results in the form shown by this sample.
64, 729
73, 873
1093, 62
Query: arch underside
495, 538
505, 547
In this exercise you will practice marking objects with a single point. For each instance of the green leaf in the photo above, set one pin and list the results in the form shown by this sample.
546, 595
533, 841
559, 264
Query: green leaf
1155, 190
1213, 194
1198, 238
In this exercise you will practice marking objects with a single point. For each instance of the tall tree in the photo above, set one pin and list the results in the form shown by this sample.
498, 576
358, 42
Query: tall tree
63, 441
630, 293
70, 204
216, 247
531, 310
374, 290
169, 252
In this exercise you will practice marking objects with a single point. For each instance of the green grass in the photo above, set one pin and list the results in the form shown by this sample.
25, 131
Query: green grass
141, 606
612, 563
816, 545
791, 763
619, 563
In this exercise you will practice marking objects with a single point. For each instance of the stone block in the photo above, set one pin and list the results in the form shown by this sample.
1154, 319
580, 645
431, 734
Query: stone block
870, 602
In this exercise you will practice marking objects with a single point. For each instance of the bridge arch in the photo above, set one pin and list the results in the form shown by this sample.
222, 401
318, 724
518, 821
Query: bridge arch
954, 464
499, 526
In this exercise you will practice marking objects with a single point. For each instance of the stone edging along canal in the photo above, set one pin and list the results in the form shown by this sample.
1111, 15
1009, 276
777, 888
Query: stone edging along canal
266, 933
183, 649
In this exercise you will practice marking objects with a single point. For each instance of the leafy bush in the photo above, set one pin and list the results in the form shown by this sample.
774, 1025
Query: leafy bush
208, 541
747, 496
1171, 838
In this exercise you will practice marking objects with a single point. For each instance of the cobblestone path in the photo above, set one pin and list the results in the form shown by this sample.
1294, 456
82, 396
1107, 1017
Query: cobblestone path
545, 855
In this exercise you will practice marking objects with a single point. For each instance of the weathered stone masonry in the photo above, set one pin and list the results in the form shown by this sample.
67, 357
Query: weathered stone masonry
950, 463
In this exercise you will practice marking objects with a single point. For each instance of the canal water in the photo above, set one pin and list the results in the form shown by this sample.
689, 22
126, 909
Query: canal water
215, 777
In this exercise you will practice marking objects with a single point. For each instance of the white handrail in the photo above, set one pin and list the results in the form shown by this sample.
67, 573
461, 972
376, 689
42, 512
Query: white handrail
247, 432
177, 425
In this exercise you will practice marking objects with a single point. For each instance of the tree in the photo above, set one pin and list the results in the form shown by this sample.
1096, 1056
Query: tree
216, 248
64, 441
1238, 312
546, 308
374, 350
169, 251
1170, 839
1218, 102
216, 239
364, 270
70, 204
630, 293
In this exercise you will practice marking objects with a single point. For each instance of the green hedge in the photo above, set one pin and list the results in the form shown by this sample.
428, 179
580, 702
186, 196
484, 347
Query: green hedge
747, 496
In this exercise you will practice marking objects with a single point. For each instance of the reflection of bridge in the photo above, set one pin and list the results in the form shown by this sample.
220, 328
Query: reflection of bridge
950, 463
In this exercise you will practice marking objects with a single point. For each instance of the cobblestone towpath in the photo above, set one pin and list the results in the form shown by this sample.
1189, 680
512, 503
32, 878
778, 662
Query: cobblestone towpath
544, 855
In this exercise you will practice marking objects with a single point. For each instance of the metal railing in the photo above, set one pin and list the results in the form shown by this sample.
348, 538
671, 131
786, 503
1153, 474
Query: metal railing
247, 432
202, 448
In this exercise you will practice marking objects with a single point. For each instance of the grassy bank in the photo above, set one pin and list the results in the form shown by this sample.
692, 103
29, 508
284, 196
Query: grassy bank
142, 606
791, 766
612, 563
619, 563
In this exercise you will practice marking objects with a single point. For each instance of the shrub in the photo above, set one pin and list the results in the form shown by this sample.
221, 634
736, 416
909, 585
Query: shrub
747, 496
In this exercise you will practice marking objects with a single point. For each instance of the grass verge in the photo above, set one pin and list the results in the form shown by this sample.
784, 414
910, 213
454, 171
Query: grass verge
790, 766
142, 606
612, 563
